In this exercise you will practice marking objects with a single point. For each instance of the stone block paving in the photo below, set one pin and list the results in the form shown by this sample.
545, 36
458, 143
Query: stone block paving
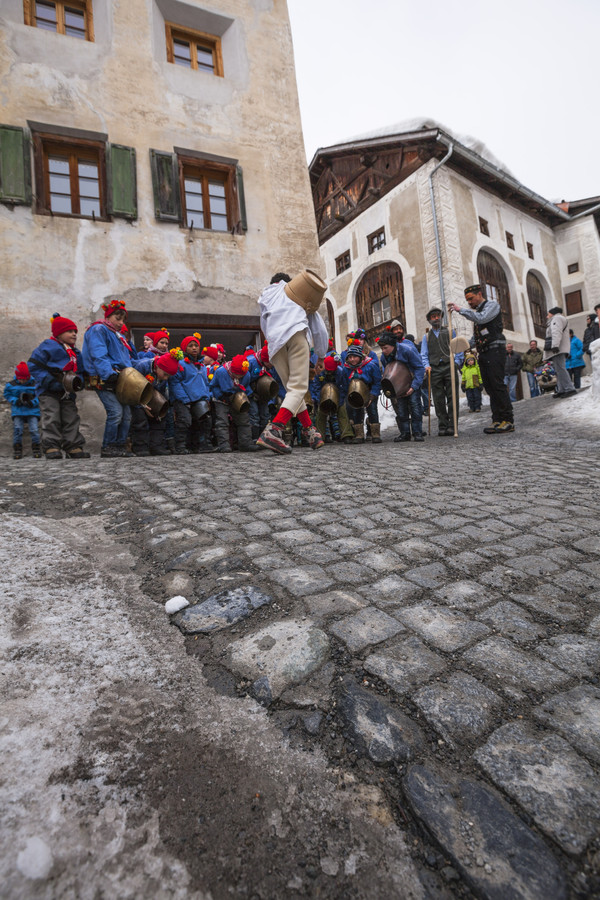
453, 658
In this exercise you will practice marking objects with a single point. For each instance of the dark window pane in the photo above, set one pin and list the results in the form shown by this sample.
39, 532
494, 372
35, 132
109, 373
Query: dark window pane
60, 203
89, 206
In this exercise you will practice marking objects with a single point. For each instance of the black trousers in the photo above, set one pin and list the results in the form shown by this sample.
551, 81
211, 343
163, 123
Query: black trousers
491, 365
441, 391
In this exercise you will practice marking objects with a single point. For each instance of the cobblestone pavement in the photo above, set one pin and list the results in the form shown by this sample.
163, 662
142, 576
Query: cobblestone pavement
425, 617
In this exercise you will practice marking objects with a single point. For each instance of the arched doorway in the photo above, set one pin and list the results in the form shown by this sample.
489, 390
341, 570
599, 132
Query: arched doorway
493, 278
537, 304
380, 298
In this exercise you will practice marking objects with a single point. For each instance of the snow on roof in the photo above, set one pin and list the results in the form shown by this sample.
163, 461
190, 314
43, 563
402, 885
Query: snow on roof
423, 124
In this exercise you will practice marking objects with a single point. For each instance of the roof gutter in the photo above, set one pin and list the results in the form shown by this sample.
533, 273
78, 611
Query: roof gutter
436, 232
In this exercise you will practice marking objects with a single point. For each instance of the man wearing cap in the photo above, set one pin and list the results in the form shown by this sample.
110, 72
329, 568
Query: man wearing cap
435, 353
558, 343
490, 342
291, 328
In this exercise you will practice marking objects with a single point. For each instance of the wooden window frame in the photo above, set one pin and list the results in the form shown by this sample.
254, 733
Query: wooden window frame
510, 240
43, 144
373, 238
85, 6
530, 250
205, 169
343, 263
572, 268
574, 296
383, 319
484, 226
211, 41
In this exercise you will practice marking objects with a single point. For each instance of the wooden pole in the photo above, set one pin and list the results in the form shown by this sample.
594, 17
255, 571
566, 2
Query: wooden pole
454, 410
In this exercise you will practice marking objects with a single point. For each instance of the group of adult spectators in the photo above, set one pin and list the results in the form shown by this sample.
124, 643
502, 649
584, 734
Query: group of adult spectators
531, 361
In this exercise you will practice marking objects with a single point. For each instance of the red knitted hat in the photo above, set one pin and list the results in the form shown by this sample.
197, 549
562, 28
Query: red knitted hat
60, 324
220, 348
210, 351
239, 366
330, 363
22, 370
167, 363
158, 336
264, 355
112, 307
192, 338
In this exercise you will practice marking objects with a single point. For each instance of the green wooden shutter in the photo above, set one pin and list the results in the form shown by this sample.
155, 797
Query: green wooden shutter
165, 182
15, 165
121, 179
239, 174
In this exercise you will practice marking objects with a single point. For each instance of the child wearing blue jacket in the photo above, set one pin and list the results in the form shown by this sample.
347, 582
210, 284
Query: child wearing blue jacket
190, 397
339, 423
408, 408
228, 380
24, 408
52, 364
365, 368
260, 365
105, 353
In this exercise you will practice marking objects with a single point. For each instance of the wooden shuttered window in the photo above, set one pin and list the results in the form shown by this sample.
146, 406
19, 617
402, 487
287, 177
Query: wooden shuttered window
165, 184
121, 181
203, 193
15, 165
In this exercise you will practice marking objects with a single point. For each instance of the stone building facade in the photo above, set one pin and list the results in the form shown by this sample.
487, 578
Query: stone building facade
377, 232
149, 150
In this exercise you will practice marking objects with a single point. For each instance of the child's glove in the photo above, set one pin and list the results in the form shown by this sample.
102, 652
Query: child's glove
27, 399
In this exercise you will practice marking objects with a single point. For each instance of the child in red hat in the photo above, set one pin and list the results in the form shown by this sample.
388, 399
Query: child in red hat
339, 423
25, 409
229, 380
149, 425
57, 369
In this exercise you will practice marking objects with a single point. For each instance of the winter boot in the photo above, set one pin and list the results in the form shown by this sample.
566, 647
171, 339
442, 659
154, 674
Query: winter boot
53, 453
36, 451
312, 437
359, 433
17, 451
273, 439
376, 432
171, 444
368, 435
77, 453
255, 432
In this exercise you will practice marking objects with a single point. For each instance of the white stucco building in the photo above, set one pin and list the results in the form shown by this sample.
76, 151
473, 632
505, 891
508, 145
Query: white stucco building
384, 257
149, 150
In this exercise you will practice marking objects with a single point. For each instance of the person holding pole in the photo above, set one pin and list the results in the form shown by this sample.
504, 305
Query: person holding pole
438, 362
490, 343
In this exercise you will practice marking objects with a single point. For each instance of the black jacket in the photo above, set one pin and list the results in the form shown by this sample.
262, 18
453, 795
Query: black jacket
514, 363
591, 333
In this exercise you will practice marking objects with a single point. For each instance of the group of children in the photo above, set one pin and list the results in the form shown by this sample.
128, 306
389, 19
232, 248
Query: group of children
203, 402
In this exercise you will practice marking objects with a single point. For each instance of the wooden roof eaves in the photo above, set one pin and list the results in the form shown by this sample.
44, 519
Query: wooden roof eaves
474, 164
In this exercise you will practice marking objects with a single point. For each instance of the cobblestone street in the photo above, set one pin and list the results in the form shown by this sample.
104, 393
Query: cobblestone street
386, 683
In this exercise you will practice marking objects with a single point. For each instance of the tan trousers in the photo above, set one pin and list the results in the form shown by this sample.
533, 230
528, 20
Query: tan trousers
292, 364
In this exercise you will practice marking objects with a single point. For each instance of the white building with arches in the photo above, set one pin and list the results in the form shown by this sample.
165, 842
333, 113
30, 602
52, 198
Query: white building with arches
408, 218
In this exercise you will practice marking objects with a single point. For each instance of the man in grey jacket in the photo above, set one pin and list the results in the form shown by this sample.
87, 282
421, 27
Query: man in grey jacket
559, 344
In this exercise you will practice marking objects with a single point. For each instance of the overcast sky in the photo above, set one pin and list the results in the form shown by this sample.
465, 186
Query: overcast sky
519, 75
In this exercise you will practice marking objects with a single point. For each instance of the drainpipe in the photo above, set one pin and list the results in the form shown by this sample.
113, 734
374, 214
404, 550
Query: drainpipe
436, 230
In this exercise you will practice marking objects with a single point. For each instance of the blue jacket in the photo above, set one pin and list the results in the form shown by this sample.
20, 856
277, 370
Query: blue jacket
223, 388
575, 358
189, 384
49, 358
368, 371
407, 353
104, 353
13, 392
